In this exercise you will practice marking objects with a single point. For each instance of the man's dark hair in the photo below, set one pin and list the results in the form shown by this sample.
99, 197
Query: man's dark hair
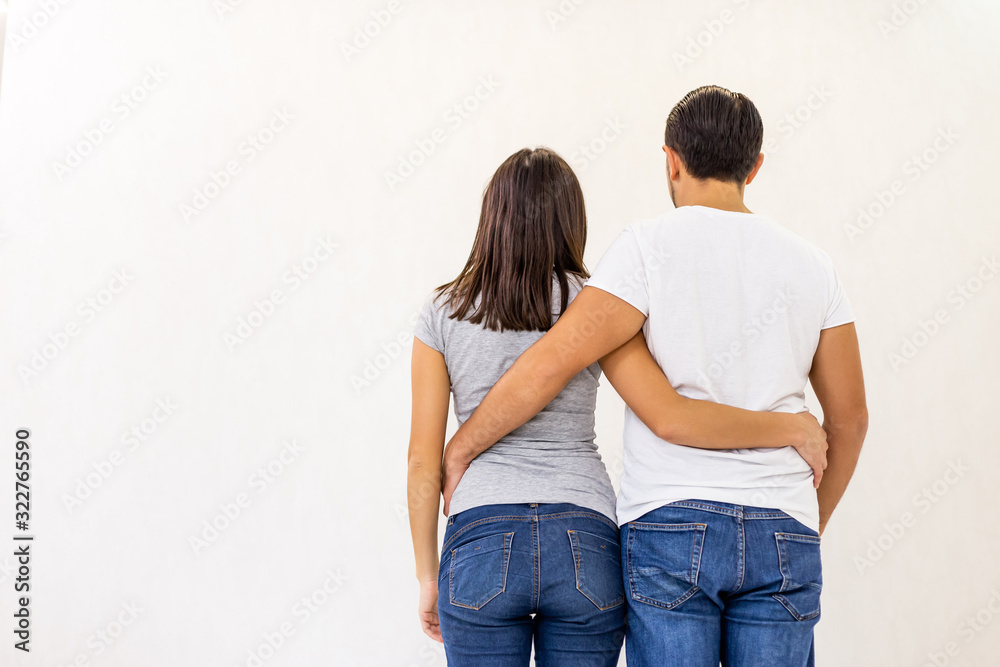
718, 133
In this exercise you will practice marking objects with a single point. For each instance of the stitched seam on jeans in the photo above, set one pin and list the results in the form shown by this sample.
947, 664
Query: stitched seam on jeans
781, 539
628, 560
574, 543
691, 559
698, 548
786, 576
536, 565
796, 537
667, 527
753, 514
741, 556
508, 544
698, 528
574, 546
700, 506
479, 522
792, 610
782, 562
451, 578
589, 515
668, 605
508, 539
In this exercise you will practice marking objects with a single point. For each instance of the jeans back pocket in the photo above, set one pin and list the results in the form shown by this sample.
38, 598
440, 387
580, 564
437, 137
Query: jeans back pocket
663, 562
478, 571
801, 574
598, 563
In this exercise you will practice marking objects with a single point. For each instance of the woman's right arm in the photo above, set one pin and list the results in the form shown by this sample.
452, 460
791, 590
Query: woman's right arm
640, 382
428, 422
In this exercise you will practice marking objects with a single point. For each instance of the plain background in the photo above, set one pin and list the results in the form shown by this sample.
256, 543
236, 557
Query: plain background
853, 96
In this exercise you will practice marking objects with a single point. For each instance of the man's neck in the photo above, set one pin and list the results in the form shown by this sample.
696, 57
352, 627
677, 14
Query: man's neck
713, 194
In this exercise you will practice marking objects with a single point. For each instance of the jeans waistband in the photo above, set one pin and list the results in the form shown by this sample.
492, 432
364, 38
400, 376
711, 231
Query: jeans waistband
475, 516
729, 509
522, 511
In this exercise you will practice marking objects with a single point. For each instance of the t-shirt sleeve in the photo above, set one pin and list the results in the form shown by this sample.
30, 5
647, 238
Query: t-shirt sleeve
839, 310
622, 272
428, 327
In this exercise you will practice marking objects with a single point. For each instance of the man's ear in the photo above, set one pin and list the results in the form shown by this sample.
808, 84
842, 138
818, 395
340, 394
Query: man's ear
756, 168
673, 163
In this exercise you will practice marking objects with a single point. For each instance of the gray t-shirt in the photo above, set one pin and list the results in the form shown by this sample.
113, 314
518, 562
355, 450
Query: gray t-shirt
550, 459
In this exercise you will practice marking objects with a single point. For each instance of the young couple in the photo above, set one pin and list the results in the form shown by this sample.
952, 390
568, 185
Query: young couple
708, 321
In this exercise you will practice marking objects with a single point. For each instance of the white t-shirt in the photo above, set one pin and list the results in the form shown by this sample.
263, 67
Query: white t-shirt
734, 306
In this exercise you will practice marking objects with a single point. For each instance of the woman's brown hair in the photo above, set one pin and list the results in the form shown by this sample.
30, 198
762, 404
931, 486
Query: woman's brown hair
533, 227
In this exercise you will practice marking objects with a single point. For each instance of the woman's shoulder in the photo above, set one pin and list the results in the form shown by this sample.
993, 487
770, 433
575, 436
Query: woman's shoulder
432, 319
439, 302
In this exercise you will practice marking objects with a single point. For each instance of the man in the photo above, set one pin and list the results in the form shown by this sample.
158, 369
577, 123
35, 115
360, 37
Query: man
720, 548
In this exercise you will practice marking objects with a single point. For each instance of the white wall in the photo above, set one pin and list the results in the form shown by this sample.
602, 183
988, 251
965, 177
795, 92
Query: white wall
334, 516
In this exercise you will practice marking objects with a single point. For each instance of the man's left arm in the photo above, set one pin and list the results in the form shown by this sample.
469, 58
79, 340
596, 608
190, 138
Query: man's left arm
594, 324
838, 381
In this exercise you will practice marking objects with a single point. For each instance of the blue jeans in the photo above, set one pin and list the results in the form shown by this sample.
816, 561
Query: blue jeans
712, 582
545, 573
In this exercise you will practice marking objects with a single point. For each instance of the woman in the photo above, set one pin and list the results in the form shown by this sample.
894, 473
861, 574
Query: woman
531, 553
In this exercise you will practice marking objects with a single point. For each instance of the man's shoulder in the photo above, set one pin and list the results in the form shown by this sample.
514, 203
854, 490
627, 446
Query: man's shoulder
689, 223
806, 248
686, 219
659, 223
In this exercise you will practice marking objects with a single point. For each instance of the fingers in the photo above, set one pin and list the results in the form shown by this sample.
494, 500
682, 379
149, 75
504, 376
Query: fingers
821, 465
433, 630
810, 417
818, 473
